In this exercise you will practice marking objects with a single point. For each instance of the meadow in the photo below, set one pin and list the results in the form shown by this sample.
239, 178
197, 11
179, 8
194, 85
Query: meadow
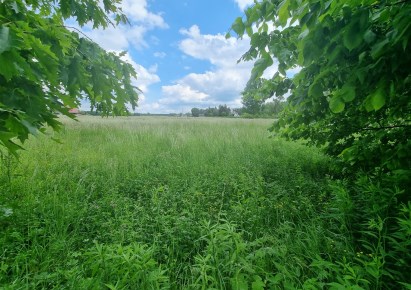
171, 203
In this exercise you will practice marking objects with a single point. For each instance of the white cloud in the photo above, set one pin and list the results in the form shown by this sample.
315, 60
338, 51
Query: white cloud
217, 49
136, 11
153, 69
135, 36
118, 38
211, 88
182, 93
242, 4
221, 85
160, 54
125, 36
105, 38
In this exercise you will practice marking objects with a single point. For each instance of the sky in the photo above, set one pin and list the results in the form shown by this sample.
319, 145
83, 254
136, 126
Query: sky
180, 53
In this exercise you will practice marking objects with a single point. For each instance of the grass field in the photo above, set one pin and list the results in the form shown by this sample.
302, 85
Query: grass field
167, 203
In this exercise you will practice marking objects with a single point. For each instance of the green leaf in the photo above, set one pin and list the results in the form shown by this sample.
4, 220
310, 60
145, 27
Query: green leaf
377, 98
32, 129
249, 31
315, 90
239, 282
258, 283
238, 26
283, 13
347, 92
352, 37
369, 36
265, 27
4, 39
254, 15
260, 65
6, 141
378, 49
336, 105
8, 69
310, 52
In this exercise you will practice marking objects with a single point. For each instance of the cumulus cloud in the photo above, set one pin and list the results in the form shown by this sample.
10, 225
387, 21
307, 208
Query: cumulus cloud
136, 11
221, 85
217, 49
118, 38
125, 36
182, 93
242, 4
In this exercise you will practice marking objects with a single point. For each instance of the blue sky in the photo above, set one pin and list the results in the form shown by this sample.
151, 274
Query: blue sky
180, 53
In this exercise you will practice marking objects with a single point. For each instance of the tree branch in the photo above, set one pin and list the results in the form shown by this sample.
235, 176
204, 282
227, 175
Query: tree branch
79, 31
385, 127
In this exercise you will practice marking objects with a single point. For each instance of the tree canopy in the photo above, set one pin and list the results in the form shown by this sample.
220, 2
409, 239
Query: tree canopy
351, 93
47, 68
255, 96
347, 68
195, 112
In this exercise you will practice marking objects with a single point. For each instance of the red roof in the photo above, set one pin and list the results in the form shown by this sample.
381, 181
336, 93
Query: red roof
74, 111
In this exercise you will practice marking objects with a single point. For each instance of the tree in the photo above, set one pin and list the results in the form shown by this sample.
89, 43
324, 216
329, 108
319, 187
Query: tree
350, 96
224, 111
272, 109
353, 87
195, 112
237, 111
259, 90
47, 68
211, 112
253, 96
354, 78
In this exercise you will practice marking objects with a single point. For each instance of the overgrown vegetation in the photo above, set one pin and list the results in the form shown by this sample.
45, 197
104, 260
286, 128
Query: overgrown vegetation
350, 96
164, 203
148, 204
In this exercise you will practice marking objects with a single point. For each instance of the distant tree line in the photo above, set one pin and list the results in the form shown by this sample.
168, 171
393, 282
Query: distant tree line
255, 104
220, 111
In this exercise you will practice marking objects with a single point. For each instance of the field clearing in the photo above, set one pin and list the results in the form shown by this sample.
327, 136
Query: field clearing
164, 203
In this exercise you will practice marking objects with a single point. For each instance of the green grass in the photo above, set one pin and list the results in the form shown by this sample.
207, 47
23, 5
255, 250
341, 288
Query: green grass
167, 203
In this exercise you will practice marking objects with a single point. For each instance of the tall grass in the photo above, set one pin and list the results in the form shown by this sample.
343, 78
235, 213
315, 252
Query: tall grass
168, 203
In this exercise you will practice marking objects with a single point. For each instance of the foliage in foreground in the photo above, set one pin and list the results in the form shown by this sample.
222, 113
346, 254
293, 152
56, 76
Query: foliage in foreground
46, 68
350, 96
